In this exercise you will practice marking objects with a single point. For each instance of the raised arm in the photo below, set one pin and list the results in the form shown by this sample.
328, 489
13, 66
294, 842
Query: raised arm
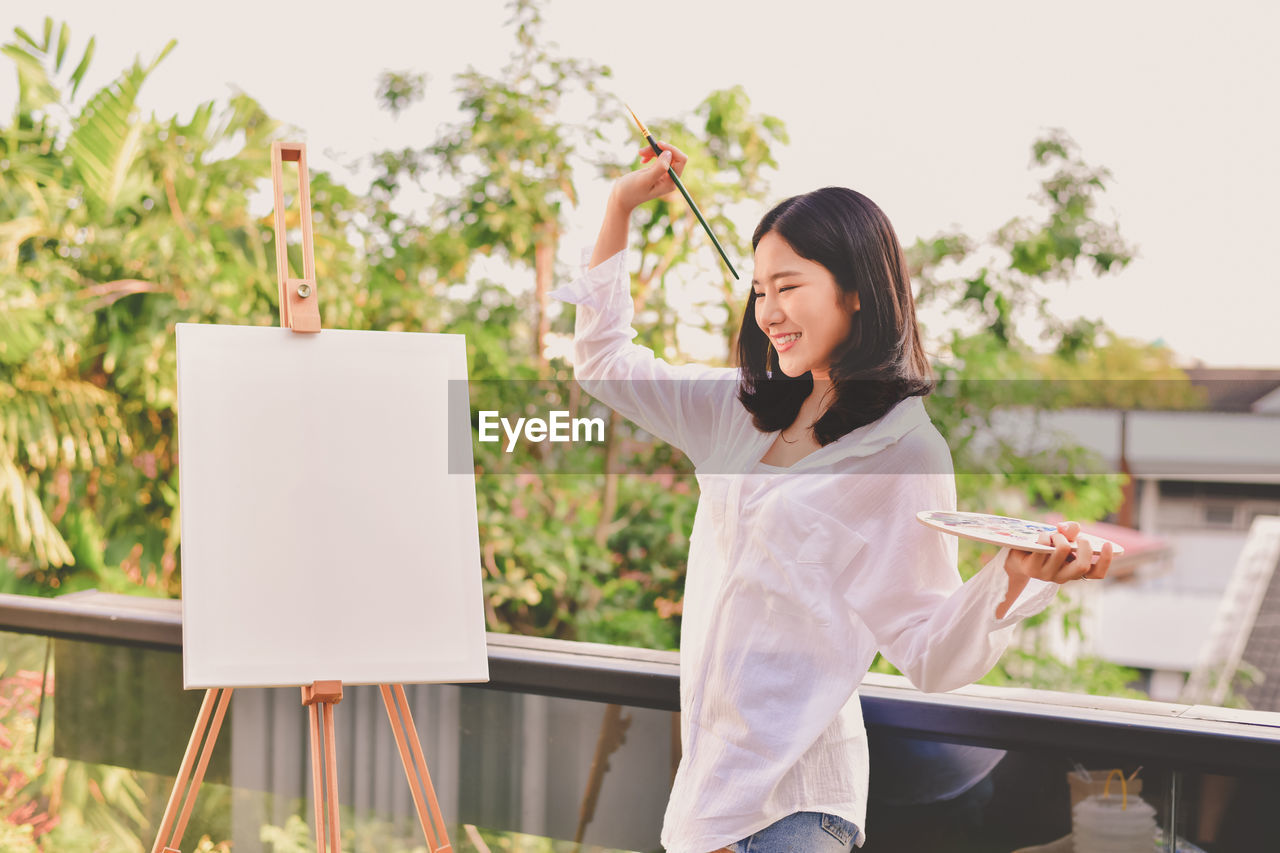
685, 405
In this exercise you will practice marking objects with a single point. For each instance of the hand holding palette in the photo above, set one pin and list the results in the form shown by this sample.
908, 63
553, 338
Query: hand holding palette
1018, 533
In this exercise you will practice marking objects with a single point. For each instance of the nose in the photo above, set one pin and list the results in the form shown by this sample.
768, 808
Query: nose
768, 311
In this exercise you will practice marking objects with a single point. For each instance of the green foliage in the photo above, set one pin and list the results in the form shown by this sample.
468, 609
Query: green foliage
1117, 373
119, 227
114, 227
52, 803
398, 90
504, 174
990, 367
25, 814
730, 151
1038, 671
293, 837
997, 284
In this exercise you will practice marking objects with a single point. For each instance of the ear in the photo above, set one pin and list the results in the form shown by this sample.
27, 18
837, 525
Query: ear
852, 303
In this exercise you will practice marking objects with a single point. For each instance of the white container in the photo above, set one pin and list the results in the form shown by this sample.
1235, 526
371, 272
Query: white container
1110, 824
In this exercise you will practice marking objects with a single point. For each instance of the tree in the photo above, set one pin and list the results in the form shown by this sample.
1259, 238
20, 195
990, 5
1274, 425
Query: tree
118, 226
68, 169
502, 179
513, 155
997, 284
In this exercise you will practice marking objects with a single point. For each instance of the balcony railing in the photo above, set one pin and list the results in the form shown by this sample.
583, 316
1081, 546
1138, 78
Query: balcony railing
576, 743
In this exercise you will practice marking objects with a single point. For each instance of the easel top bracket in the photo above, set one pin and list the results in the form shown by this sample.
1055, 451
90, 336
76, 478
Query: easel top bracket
299, 302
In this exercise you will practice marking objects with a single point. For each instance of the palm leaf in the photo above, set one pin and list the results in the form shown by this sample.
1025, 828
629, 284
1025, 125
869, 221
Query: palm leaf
26, 525
35, 90
107, 138
14, 233
64, 38
78, 75
22, 330
48, 423
60, 422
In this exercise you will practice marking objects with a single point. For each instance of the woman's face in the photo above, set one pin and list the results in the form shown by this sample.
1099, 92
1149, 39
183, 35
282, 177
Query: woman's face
800, 307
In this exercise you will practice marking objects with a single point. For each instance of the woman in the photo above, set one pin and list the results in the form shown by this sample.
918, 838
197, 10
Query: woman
795, 582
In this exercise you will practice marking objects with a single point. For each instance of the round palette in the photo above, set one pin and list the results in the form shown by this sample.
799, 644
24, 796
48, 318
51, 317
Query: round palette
1001, 530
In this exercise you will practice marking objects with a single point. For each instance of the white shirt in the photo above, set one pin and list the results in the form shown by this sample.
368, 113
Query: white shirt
796, 578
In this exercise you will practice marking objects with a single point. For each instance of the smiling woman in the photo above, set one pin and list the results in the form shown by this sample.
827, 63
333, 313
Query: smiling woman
813, 458
831, 297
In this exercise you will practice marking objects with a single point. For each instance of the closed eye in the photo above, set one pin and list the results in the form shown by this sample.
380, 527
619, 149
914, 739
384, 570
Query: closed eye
759, 295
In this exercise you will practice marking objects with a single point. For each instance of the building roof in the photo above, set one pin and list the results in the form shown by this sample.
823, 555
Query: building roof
1231, 389
1224, 447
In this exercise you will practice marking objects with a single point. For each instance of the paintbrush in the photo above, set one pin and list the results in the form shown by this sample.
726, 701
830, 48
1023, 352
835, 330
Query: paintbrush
684, 192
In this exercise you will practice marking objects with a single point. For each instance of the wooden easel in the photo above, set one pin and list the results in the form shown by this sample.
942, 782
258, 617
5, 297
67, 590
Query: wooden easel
300, 312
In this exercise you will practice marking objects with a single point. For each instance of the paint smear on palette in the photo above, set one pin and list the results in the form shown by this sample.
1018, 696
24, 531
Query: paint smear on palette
1001, 530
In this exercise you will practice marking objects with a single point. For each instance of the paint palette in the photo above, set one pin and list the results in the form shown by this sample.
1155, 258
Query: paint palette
1004, 531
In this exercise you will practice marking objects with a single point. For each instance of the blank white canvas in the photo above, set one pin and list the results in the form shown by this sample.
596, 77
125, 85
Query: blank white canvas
323, 536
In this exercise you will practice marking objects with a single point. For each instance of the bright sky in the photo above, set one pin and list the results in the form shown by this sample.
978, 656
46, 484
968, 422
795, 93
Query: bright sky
927, 107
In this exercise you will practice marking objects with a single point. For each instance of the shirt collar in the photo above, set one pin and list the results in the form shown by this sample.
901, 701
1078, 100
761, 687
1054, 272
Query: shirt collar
872, 438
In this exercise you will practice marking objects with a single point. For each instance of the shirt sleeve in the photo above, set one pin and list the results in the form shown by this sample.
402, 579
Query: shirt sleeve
904, 585
681, 404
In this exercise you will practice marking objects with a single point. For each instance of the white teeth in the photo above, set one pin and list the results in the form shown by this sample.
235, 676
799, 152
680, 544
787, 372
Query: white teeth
788, 338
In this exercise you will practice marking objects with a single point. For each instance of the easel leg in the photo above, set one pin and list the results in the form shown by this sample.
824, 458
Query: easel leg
317, 779
324, 762
216, 702
424, 793
331, 771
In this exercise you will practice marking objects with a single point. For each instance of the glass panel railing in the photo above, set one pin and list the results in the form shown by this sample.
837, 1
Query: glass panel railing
984, 769
513, 771
935, 795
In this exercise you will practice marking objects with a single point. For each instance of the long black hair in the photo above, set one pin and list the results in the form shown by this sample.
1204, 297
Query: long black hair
882, 361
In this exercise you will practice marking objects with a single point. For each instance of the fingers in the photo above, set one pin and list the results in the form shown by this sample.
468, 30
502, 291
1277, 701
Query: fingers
661, 182
1061, 548
1084, 553
1074, 557
678, 157
1028, 563
647, 152
1099, 569
1060, 567
647, 155
650, 181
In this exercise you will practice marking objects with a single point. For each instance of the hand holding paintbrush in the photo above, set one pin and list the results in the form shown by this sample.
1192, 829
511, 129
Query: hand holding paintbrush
640, 186
632, 190
655, 147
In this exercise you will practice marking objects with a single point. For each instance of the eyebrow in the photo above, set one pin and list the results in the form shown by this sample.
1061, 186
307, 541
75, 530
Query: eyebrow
777, 276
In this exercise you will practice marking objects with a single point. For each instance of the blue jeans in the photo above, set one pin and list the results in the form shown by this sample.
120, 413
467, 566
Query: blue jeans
802, 832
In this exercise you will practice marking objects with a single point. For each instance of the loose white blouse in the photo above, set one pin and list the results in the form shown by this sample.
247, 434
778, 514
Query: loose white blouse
796, 578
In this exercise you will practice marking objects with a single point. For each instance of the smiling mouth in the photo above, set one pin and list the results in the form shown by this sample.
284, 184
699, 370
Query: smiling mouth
783, 342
